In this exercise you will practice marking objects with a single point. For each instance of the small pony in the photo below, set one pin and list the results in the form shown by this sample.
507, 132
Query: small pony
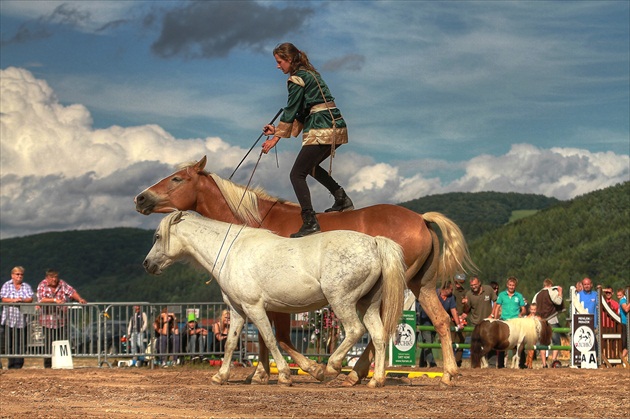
503, 335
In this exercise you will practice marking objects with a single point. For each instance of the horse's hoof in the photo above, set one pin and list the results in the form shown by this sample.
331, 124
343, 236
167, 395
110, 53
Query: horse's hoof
259, 378
317, 371
216, 380
332, 372
374, 383
351, 380
285, 381
258, 381
447, 379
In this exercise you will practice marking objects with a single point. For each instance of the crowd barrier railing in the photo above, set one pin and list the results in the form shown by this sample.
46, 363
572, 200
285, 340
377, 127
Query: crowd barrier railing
107, 332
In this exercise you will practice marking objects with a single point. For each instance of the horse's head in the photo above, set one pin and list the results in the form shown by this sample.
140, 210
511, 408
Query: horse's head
165, 245
174, 192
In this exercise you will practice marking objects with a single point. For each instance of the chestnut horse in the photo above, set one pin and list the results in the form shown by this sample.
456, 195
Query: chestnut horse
502, 335
192, 188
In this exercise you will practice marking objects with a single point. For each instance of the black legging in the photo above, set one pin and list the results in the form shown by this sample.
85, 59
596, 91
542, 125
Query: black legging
307, 163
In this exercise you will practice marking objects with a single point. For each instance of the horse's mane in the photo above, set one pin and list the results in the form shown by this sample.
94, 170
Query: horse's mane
243, 202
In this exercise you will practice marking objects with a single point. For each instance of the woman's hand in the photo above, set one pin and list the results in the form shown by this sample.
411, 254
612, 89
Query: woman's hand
269, 144
269, 129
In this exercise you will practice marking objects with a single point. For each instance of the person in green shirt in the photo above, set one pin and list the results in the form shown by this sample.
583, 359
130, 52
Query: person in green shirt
311, 110
510, 304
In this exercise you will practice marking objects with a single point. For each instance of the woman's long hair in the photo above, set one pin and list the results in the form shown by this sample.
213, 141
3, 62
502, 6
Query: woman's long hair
297, 58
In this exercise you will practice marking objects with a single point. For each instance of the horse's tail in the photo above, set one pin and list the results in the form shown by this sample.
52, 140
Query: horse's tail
532, 327
545, 333
393, 273
455, 256
476, 347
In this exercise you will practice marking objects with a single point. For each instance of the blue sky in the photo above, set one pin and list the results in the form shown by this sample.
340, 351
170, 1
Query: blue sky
101, 98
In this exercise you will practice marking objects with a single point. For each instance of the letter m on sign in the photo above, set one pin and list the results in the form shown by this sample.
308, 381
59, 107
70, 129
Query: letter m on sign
64, 350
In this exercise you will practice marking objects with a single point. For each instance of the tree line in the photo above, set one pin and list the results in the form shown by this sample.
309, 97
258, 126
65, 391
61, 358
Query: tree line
562, 240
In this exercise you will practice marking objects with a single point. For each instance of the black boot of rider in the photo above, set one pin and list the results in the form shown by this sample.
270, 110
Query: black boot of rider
342, 202
309, 224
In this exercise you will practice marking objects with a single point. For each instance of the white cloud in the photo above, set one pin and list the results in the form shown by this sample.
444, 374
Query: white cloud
58, 172
560, 172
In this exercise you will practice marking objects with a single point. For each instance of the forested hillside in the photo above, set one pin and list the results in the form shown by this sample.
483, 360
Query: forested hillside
480, 212
104, 265
589, 236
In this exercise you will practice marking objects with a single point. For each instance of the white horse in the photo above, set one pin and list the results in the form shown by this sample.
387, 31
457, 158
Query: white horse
358, 275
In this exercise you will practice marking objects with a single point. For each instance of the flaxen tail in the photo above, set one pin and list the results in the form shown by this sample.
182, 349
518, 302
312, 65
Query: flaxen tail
393, 263
454, 256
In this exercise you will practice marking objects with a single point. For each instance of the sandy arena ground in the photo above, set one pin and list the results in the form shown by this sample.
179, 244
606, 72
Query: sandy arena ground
186, 392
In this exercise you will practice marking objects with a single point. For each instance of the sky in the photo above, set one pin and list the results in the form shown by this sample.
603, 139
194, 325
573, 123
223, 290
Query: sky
101, 99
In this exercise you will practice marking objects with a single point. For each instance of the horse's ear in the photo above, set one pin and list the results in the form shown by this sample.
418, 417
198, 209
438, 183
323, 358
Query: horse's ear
199, 166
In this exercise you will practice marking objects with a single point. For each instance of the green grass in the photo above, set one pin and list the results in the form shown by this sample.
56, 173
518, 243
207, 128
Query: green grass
518, 214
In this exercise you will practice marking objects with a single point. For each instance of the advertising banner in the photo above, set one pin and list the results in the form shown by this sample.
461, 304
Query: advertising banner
583, 340
402, 349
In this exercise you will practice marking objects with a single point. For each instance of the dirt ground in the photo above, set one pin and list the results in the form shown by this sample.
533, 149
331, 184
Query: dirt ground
186, 392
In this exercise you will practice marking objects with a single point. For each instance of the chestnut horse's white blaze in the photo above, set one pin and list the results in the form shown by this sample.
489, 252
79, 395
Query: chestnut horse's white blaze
361, 277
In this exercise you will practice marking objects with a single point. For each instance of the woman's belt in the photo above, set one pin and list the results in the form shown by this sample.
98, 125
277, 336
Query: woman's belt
322, 107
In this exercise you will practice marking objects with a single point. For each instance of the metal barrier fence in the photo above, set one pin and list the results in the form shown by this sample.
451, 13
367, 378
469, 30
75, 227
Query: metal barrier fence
469, 329
112, 330
106, 331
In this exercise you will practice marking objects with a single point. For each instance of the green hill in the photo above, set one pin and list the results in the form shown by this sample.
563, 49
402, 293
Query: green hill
104, 265
481, 212
588, 236
528, 236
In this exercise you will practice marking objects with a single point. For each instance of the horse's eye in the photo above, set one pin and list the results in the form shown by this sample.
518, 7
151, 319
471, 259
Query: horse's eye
176, 179
155, 238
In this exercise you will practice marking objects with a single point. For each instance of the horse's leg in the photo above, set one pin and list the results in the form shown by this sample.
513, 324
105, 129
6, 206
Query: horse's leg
260, 319
261, 373
455, 258
236, 325
442, 322
347, 315
485, 350
516, 359
283, 334
362, 367
374, 325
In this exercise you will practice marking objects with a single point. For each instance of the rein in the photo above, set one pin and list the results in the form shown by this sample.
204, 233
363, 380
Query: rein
254, 145
231, 224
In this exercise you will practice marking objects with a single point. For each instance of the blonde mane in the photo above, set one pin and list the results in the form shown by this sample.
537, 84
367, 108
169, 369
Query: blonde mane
247, 212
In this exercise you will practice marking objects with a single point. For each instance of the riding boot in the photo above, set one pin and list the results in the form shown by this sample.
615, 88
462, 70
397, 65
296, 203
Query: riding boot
309, 224
342, 202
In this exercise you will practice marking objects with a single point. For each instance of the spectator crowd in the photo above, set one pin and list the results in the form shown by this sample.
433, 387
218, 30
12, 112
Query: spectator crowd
165, 335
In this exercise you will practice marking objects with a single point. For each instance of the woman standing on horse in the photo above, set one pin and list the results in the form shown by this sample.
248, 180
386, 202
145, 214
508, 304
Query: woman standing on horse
311, 109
